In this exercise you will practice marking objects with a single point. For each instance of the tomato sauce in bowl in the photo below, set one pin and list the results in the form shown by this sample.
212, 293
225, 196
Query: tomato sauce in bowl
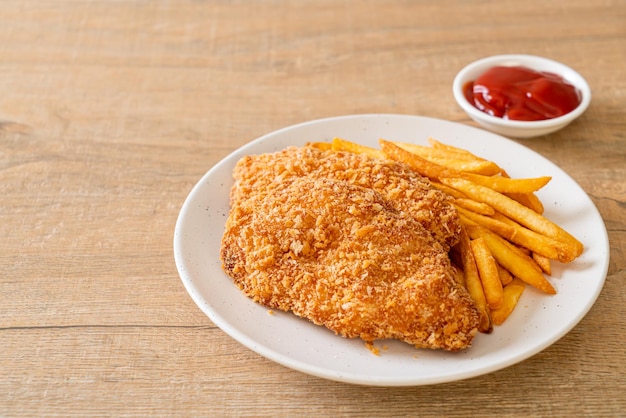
521, 96
521, 93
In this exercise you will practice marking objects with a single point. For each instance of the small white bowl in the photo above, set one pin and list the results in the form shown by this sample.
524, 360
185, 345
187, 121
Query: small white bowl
516, 128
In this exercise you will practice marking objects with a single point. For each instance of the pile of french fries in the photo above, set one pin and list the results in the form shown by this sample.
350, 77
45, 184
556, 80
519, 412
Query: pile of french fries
506, 243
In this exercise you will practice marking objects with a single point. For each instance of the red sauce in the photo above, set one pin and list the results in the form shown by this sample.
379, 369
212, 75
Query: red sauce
519, 93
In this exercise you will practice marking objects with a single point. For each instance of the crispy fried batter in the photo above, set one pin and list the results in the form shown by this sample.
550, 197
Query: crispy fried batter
410, 193
308, 237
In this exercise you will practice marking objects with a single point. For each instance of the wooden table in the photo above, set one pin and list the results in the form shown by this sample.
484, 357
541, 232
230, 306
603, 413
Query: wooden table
111, 111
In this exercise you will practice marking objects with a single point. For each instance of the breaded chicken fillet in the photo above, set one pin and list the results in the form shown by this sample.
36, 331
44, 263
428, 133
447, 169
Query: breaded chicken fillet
345, 256
410, 193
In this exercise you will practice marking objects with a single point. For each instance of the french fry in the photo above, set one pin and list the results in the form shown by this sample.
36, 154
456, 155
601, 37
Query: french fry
448, 190
452, 150
522, 252
538, 242
474, 206
511, 295
417, 163
324, 146
439, 172
516, 262
459, 152
505, 275
473, 283
452, 160
488, 272
517, 234
508, 185
501, 228
339, 144
571, 247
434, 153
529, 200
543, 262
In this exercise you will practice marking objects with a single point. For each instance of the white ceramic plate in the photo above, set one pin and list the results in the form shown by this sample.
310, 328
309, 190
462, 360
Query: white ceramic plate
538, 322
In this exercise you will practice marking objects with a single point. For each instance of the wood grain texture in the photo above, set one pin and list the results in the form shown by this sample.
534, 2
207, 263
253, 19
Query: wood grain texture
110, 112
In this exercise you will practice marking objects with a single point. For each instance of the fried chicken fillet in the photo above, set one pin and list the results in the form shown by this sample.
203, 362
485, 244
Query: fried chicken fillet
355, 244
409, 192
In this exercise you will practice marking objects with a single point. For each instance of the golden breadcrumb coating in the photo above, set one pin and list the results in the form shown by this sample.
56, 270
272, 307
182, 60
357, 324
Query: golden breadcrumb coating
344, 252
409, 192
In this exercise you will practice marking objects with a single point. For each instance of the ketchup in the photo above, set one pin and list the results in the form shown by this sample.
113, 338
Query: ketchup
519, 93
